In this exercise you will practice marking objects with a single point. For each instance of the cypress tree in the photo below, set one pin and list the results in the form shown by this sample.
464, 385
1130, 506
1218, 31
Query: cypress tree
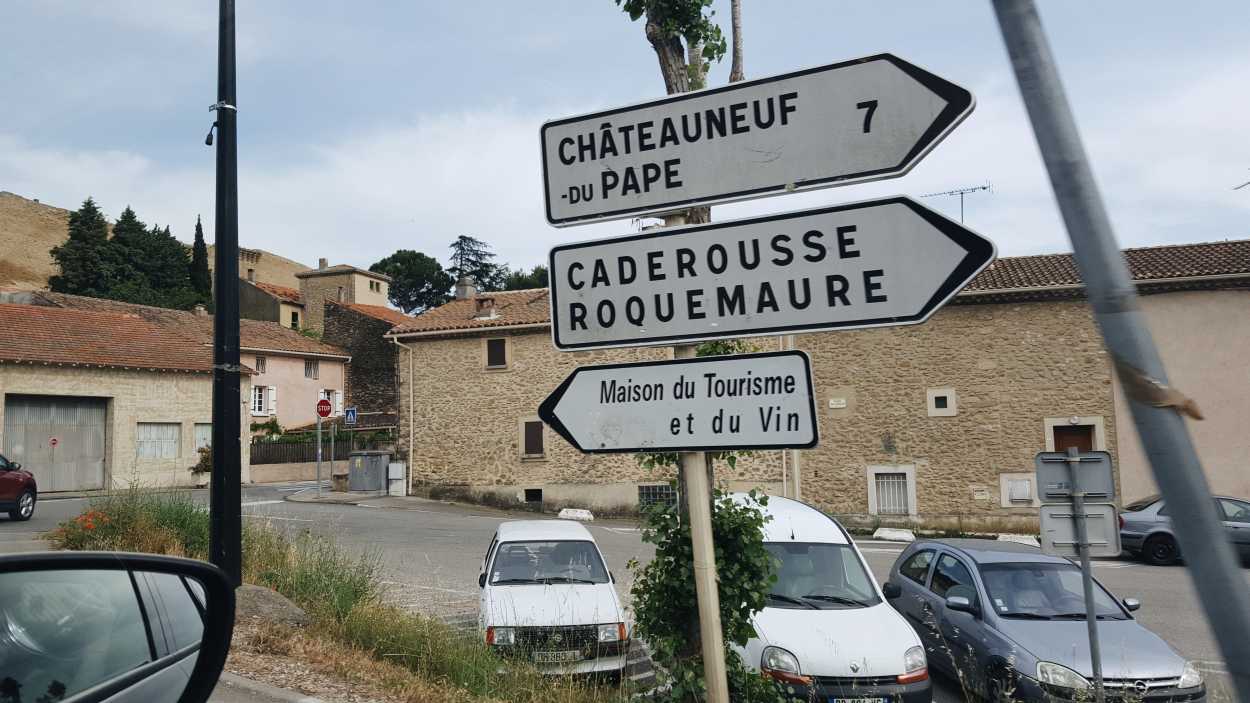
201, 278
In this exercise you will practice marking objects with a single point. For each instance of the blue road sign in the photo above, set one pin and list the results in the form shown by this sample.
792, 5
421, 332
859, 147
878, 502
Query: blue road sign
349, 416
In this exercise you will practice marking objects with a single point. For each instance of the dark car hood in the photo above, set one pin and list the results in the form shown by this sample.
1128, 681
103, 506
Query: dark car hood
1129, 651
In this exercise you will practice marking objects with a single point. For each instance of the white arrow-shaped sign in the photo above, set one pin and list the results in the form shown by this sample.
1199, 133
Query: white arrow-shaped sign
747, 401
870, 264
849, 122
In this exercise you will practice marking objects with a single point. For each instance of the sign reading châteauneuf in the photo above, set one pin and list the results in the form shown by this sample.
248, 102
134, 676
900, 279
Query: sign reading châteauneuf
870, 264
745, 401
848, 122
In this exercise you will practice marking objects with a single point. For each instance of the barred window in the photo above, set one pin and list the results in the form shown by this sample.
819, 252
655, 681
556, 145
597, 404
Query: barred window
892, 494
650, 494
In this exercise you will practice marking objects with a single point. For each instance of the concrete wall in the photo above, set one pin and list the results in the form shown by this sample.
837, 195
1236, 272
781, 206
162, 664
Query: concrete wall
302, 471
133, 397
297, 395
363, 295
1204, 339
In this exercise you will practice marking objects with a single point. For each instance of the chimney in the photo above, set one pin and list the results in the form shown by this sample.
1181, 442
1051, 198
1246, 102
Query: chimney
465, 288
485, 308
322, 264
251, 275
200, 311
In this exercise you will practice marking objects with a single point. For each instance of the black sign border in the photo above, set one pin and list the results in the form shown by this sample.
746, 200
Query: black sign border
979, 253
959, 104
546, 410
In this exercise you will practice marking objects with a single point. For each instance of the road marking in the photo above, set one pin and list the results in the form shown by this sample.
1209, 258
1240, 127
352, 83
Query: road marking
275, 517
263, 502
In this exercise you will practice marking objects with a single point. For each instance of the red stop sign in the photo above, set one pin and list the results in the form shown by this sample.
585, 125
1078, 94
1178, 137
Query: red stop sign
324, 408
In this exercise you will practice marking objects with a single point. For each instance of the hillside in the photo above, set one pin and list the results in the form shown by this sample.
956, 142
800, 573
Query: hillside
28, 230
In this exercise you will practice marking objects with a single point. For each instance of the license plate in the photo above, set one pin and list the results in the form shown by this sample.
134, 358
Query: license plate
858, 700
557, 657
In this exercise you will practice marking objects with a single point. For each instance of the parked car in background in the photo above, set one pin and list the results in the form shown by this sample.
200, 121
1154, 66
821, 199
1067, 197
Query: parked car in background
826, 631
18, 492
1009, 623
548, 597
1146, 528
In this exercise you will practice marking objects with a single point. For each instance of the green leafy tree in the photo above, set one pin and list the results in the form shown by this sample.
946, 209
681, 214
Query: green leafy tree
418, 282
473, 257
520, 280
201, 278
89, 264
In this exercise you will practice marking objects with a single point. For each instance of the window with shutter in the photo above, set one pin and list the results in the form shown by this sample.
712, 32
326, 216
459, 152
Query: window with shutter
497, 353
258, 400
338, 402
157, 440
533, 438
273, 401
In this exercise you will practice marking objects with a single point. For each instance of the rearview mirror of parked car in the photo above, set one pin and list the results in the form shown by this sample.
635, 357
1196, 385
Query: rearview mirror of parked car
961, 603
1131, 604
96, 626
891, 590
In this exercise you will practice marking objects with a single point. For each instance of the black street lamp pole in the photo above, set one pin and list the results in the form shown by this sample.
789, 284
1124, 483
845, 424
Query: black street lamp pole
225, 533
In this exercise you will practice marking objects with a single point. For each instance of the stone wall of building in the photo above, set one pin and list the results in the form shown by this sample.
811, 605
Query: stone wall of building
1010, 367
371, 384
468, 422
316, 289
133, 397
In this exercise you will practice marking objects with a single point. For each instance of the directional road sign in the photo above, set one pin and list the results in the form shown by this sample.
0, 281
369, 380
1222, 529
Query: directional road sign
349, 415
1059, 535
848, 122
746, 401
1054, 477
869, 264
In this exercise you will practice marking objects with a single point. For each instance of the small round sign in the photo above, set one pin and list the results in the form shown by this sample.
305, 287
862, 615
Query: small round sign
53, 442
324, 408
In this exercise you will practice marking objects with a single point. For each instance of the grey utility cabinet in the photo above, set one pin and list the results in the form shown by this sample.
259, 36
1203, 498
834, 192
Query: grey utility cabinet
367, 470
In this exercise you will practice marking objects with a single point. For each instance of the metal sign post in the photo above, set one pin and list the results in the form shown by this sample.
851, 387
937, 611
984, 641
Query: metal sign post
860, 120
878, 263
1218, 580
323, 411
1087, 577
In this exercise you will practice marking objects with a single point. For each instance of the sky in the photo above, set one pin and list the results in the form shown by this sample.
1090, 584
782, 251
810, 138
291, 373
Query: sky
377, 125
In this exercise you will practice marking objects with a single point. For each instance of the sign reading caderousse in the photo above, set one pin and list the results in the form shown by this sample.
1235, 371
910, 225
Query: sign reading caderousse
870, 264
744, 401
860, 120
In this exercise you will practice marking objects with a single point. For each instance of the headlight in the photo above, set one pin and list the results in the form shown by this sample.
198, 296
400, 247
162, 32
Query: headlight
1190, 677
500, 635
1061, 677
614, 632
913, 659
778, 659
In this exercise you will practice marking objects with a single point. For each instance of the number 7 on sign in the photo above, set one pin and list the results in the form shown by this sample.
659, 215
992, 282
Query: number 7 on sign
871, 107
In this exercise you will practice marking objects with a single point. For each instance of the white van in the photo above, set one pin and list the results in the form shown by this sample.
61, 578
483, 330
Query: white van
827, 631
547, 596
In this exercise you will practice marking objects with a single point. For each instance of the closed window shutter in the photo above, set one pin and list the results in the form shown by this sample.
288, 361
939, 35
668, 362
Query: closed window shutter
533, 438
273, 401
338, 403
496, 353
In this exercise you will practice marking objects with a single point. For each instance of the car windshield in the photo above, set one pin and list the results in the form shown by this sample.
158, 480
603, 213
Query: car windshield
1141, 504
547, 562
1043, 591
819, 576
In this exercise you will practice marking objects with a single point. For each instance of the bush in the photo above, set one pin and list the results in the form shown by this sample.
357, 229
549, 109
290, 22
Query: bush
205, 464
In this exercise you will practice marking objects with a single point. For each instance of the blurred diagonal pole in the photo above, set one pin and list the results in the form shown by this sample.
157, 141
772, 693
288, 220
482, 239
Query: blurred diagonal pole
1207, 552
225, 532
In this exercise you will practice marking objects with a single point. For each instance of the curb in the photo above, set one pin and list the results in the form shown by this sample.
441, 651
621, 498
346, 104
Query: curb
264, 689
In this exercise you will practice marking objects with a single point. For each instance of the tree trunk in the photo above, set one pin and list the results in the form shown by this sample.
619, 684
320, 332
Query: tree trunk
672, 58
735, 20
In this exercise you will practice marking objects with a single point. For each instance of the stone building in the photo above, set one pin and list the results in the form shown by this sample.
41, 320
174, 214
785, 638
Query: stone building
268, 302
262, 266
94, 399
935, 423
339, 284
372, 385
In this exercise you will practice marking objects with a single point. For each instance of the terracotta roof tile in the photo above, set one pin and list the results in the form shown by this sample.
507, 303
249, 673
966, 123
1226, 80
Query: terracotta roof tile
286, 295
378, 312
517, 307
253, 334
1006, 274
56, 335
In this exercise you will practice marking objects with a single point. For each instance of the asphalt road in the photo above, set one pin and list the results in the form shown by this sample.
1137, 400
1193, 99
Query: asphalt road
431, 553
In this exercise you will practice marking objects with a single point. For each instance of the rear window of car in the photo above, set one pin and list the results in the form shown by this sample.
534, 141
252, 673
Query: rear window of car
1141, 504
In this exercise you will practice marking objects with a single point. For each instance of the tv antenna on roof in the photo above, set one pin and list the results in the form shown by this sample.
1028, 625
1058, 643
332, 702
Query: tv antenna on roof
961, 192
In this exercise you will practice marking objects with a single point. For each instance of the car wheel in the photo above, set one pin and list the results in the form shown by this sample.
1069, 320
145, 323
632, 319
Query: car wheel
25, 507
1161, 550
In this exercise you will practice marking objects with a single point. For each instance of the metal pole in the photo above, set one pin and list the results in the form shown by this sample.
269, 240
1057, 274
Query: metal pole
318, 455
1215, 573
333, 431
225, 512
694, 470
1087, 577
796, 458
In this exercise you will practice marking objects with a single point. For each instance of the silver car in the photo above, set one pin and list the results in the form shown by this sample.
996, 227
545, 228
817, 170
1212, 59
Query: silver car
1008, 622
1146, 528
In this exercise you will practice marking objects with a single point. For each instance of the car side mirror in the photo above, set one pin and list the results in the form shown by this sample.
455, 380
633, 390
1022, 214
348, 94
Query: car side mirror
16, 466
962, 604
481, 580
1131, 604
891, 590
83, 626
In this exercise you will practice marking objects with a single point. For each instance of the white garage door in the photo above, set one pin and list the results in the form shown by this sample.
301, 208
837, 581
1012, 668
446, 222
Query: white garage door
60, 440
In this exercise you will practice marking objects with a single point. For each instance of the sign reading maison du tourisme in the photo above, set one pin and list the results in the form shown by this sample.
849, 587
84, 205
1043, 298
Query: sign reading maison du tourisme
848, 122
746, 401
869, 264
